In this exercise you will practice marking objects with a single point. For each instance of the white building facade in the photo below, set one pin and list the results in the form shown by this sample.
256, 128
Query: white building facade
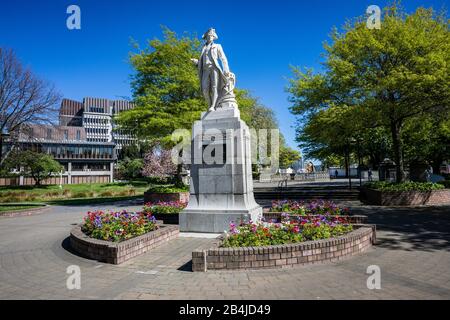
96, 115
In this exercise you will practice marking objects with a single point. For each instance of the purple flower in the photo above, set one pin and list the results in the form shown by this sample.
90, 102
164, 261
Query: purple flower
98, 222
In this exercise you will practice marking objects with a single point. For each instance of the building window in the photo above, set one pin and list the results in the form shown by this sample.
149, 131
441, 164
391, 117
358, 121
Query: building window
66, 134
78, 135
49, 133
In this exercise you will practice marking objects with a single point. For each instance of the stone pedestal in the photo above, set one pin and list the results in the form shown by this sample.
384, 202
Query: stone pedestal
221, 185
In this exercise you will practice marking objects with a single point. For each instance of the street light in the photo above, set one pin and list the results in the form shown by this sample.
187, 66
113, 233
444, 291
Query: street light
358, 145
359, 161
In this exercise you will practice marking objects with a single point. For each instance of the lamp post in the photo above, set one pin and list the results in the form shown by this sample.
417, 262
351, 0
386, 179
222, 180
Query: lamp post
359, 161
60, 179
347, 163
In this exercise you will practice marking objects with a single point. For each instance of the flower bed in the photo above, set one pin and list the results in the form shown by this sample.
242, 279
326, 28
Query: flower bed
405, 194
307, 233
318, 207
119, 252
290, 230
286, 255
117, 226
115, 237
166, 211
312, 210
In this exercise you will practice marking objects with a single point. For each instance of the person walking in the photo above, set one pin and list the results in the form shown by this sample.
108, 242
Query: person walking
369, 173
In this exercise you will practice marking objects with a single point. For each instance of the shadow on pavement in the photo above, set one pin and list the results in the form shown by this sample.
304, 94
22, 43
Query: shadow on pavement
187, 267
425, 228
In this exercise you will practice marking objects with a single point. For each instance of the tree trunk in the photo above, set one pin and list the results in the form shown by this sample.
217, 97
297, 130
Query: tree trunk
436, 164
1, 149
178, 176
397, 142
347, 162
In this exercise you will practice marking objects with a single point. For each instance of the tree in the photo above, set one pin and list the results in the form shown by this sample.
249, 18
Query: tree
165, 89
37, 165
130, 169
167, 95
428, 140
24, 98
330, 132
135, 151
253, 112
288, 156
385, 76
158, 163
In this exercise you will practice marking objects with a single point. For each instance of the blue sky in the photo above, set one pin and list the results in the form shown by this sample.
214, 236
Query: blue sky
261, 39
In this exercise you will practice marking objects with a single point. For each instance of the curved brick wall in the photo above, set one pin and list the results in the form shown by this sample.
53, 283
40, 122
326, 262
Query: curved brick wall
406, 198
118, 252
329, 250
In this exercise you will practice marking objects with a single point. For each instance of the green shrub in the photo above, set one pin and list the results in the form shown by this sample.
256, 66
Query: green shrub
168, 189
122, 193
172, 207
107, 193
405, 186
80, 195
445, 183
52, 194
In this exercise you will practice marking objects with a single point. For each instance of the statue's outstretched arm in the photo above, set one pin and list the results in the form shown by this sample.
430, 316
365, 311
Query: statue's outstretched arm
195, 61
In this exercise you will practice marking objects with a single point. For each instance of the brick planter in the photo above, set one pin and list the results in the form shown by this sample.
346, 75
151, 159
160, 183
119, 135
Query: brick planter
288, 255
406, 198
166, 197
172, 218
353, 219
119, 252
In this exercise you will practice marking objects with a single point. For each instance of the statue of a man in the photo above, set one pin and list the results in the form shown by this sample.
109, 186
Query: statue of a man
217, 84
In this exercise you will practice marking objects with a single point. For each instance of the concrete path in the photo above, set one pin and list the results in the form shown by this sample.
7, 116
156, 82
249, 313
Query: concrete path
413, 254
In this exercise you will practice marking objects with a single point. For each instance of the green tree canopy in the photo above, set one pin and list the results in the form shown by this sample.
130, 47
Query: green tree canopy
130, 169
380, 77
39, 166
165, 88
166, 91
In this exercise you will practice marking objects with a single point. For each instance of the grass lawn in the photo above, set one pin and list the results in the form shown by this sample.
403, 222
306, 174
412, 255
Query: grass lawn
90, 192
85, 201
17, 207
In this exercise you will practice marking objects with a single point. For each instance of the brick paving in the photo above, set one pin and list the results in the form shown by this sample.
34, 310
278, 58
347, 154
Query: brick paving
413, 253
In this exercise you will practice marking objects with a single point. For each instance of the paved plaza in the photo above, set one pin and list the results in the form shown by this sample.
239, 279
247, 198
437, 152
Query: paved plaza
413, 252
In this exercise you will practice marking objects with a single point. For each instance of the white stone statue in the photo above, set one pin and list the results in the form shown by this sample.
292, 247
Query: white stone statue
217, 83
221, 184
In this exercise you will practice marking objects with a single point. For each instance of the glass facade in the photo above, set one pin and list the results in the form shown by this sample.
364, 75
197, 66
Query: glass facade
73, 151
79, 166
